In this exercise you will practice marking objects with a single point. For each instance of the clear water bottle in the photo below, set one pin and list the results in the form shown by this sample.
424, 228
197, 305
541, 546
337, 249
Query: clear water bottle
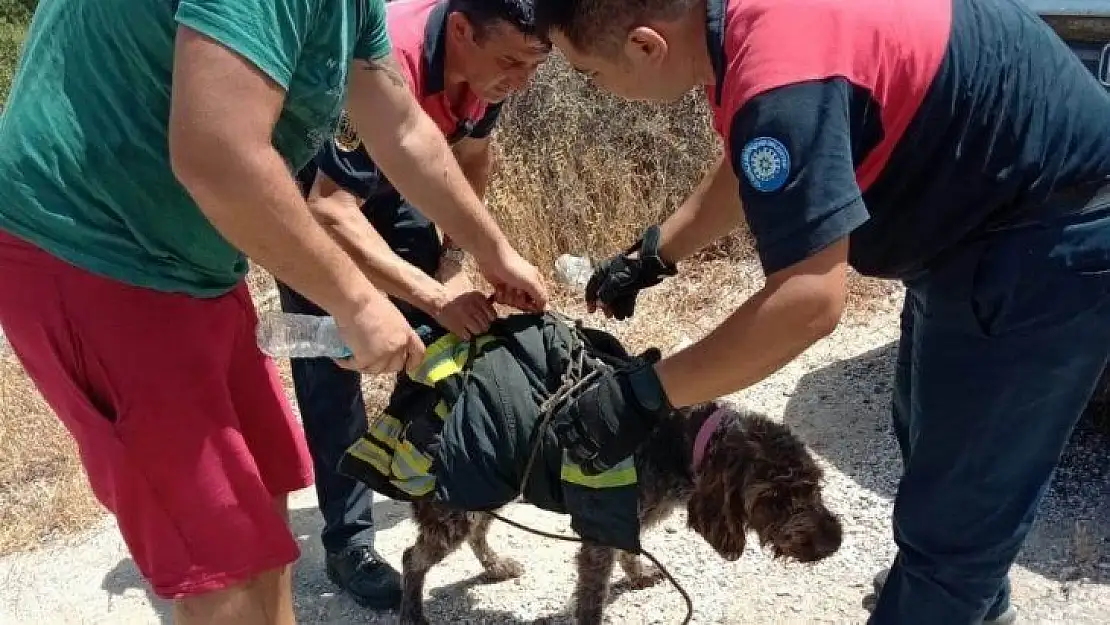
291, 335
573, 271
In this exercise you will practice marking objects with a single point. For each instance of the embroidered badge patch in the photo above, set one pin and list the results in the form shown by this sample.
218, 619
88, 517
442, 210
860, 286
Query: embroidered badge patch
766, 164
346, 138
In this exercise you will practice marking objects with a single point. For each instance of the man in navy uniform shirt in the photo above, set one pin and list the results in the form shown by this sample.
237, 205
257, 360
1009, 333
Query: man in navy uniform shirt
956, 145
461, 59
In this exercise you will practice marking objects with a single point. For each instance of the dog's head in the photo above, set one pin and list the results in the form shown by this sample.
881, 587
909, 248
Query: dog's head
756, 475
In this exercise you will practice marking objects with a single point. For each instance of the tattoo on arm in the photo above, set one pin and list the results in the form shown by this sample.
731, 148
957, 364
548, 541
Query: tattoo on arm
387, 65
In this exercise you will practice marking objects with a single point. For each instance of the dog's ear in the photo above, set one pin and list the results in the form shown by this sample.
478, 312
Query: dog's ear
716, 510
697, 413
783, 499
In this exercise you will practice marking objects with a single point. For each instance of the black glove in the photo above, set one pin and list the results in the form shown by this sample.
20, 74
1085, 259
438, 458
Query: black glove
619, 279
606, 422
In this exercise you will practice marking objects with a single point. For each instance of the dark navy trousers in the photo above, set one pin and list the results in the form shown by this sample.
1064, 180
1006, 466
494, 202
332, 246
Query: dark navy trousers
330, 398
1002, 344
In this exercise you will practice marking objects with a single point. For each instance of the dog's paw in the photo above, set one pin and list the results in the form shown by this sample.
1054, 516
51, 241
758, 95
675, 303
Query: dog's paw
648, 577
504, 569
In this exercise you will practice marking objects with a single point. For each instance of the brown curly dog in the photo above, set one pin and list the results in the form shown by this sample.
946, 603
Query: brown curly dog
735, 471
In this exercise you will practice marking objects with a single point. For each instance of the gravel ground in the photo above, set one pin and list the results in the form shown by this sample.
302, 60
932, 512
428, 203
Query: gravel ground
835, 397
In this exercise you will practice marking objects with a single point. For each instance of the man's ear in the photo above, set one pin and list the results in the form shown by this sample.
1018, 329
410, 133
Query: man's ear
645, 46
459, 27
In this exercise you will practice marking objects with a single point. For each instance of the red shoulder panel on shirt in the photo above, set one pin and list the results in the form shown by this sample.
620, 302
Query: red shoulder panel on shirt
892, 48
416, 30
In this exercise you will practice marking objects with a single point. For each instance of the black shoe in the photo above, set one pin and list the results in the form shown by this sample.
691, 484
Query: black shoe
370, 581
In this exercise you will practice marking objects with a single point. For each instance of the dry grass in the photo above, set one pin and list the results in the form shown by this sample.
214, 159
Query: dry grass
583, 172
43, 492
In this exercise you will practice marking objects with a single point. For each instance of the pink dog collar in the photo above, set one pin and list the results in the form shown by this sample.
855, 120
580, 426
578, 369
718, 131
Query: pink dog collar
706, 430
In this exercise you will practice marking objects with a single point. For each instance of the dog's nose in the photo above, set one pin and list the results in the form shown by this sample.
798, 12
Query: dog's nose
814, 536
828, 538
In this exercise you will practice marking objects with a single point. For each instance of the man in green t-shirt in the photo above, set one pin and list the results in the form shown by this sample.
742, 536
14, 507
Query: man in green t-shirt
147, 149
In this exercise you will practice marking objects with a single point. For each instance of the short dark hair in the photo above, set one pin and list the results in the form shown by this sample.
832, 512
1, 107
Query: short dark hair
483, 14
596, 25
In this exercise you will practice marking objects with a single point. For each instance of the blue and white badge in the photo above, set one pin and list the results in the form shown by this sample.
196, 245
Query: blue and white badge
766, 164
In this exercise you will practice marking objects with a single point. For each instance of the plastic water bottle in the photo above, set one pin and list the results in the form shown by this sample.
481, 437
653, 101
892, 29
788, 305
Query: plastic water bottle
291, 335
573, 271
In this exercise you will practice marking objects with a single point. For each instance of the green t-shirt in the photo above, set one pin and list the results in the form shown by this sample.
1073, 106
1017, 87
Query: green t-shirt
83, 138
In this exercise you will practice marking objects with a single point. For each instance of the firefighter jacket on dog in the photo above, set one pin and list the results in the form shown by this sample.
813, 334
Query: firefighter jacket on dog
462, 429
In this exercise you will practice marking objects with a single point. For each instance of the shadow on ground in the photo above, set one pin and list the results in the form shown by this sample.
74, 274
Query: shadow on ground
314, 595
843, 412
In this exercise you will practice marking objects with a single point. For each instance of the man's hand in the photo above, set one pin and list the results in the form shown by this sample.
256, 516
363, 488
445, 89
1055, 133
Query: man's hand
466, 313
516, 282
381, 340
609, 420
619, 279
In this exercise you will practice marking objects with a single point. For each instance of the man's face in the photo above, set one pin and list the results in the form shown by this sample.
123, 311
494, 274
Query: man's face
501, 62
639, 69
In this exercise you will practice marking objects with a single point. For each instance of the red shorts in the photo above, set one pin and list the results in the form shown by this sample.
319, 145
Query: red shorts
182, 424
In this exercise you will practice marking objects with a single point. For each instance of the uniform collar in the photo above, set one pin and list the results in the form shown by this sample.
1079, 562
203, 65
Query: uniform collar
435, 48
715, 39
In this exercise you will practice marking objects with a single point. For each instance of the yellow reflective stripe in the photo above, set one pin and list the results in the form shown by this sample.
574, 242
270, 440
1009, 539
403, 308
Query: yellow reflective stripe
408, 462
458, 357
623, 474
371, 454
387, 429
443, 369
446, 357
436, 354
444, 344
417, 487
442, 409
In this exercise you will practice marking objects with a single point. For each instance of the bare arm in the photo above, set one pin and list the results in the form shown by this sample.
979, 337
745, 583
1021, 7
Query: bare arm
802, 217
473, 156
474, 160
796, 307
711, 211
339, 211
221, 122
452, 275
222, 117
412, 152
